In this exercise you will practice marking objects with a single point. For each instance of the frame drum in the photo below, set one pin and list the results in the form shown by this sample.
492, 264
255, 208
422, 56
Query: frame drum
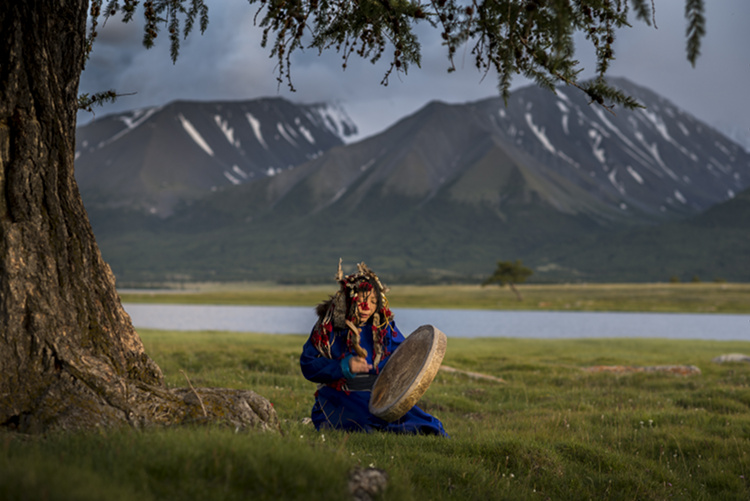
408, 373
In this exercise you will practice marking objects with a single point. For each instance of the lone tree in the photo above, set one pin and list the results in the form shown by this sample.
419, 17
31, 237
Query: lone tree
511, 274
69, 354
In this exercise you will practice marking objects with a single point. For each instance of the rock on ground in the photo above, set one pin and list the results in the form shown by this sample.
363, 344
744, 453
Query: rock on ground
731, 357
367, 483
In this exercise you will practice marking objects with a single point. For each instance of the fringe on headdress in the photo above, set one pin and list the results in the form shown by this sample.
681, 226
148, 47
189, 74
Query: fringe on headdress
339, 312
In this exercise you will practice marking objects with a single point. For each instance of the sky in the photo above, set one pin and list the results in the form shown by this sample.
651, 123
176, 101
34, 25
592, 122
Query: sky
227, 62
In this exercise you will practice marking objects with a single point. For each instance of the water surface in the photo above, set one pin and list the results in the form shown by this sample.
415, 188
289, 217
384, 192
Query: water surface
455, 323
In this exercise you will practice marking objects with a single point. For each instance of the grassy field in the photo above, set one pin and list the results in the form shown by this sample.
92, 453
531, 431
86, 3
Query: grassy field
552, 430
686, 297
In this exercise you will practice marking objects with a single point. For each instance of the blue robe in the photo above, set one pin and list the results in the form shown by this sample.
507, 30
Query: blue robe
349, 410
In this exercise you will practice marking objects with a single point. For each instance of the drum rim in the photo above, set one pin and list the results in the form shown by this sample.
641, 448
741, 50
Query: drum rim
438, 343
424, 367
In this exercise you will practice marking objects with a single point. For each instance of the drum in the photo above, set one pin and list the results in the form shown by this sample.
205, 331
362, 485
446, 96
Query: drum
408, 373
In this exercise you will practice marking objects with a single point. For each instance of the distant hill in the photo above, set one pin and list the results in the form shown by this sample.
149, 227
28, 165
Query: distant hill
576, 192
713, 245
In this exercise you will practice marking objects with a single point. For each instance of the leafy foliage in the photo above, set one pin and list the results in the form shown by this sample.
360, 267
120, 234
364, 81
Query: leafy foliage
696, 28
508, 272
87, 102
511, 274
177, 15
533, 38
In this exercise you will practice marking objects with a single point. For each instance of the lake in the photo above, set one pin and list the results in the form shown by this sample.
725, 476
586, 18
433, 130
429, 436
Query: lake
455, 323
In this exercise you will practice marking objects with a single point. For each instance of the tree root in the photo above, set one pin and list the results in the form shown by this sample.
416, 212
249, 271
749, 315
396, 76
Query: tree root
72, 404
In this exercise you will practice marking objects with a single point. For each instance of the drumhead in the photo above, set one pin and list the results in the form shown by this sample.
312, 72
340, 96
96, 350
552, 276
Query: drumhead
408, 373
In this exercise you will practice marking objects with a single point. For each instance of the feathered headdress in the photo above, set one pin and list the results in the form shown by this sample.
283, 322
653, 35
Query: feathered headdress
340, 312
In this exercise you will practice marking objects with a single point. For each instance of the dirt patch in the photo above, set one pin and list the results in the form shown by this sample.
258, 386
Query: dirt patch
682, 370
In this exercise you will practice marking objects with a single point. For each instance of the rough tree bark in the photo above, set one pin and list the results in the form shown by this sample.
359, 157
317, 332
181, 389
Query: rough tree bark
69, 355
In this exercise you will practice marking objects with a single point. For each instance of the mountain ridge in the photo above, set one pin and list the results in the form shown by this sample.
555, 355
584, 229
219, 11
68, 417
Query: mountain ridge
449, 189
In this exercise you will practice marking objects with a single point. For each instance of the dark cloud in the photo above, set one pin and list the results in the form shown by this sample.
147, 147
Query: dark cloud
227, 62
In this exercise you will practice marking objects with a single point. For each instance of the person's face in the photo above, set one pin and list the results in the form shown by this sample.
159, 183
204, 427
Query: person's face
367, 302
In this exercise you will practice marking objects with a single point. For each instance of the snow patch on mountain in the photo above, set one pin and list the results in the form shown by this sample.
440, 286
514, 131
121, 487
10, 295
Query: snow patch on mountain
285, 133
240, 172
726, 169
227, 130
622, 136
612, 176
568, 159
195, 135
634, 174
653, 149
662, 129
338, 195
131, 123
138, 117
334, 118
539, 133
304, 131
231, 178
658, 123
565, 114
722, 148
596, 141
255, 124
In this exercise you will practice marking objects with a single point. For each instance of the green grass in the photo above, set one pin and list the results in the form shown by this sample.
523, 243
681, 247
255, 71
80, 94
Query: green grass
551, 431
686, 297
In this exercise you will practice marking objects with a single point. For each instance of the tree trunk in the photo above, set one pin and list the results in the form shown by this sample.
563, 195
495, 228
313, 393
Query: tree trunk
69, 354
513, 288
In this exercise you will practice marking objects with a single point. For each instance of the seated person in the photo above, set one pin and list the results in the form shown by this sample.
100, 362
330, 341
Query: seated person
349, 345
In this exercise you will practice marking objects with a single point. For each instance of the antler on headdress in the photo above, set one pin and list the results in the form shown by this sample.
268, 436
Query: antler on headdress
340, 273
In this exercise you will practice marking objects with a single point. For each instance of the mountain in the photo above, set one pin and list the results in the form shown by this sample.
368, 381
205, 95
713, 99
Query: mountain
151, 159
653, 161
646, 165
446, 192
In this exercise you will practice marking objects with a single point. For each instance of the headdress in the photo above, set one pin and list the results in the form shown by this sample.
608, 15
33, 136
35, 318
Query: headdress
339, 312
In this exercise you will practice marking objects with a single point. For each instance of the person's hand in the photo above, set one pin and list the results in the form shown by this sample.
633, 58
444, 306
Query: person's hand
359, 365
